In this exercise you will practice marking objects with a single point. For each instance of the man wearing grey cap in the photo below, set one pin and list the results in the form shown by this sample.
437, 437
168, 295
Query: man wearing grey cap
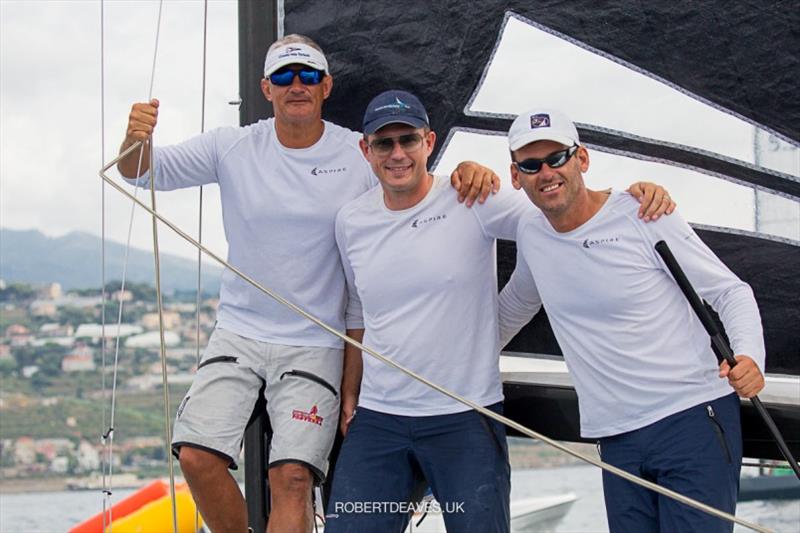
281, 183
649, 388
420, 275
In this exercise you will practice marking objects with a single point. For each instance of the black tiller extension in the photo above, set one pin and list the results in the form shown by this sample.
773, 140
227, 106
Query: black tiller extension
720, 343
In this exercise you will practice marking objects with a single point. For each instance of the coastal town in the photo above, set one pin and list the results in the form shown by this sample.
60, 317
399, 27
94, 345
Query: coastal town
66, 357
56, 391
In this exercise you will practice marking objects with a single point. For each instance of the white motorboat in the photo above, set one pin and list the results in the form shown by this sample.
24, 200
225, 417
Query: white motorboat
527, 515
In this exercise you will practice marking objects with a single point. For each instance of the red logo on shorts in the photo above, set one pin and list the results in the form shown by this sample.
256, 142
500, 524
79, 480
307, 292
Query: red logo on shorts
310, 416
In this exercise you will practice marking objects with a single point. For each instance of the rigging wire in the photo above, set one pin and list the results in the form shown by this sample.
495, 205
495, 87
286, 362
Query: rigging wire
108, 436
200, 217
159, 302
487, 412
163, 351
106, 493
200, 202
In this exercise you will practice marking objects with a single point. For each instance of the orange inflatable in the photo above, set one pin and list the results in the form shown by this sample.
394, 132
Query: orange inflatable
149, 493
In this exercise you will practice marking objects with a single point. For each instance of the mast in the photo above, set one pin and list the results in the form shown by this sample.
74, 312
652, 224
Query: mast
258, 29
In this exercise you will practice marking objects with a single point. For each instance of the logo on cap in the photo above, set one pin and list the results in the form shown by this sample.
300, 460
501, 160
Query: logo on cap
540, 120
293, 51
398, 104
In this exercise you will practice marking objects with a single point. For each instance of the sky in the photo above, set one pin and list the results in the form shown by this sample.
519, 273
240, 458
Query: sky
50, 109
51, 146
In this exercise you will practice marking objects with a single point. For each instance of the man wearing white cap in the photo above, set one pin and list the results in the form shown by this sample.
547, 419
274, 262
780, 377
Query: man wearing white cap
648, 386
420, 273
281, 183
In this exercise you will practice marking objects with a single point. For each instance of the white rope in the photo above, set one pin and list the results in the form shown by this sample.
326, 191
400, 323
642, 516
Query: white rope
200, 219
106, 493
108, 436
200, 199
159, 302
486, 412
162, 345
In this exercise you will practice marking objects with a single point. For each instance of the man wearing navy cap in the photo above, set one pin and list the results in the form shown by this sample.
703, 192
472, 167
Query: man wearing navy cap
281, 182
420, 276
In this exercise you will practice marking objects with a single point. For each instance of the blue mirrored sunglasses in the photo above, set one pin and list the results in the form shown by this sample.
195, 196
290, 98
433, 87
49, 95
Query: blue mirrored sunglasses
284, 77
554, 160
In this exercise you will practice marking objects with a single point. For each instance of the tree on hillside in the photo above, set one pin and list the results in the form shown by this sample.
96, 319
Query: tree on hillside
17, 292
141, 291
7, 367
93, 291
75, 316
39, 382
49, 358
25, 355
131, 311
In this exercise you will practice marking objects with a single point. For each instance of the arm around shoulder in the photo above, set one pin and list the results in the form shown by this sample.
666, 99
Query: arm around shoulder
519, 301
654, 200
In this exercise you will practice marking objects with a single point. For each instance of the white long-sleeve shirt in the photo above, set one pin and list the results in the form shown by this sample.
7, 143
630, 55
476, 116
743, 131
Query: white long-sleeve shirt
425, 280
278, 207
634, 348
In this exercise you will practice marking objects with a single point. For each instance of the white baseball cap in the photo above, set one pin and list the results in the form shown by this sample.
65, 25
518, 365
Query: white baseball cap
542, 125
294, 53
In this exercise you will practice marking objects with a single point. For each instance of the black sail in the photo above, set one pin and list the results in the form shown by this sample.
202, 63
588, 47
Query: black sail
743, 57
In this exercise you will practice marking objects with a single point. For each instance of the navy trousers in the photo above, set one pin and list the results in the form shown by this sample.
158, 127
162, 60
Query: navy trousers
696, 452
462, 456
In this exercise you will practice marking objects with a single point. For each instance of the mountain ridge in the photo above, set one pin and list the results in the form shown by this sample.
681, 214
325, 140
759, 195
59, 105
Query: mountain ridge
73, 260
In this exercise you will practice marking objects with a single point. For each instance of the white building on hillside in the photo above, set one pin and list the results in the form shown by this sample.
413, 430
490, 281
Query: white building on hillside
95, 331
81, 359
152, 339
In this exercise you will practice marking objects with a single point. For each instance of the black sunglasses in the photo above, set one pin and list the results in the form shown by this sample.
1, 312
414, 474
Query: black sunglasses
554, 160
284, 77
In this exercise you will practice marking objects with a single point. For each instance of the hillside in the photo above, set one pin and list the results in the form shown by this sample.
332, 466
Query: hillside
28, 256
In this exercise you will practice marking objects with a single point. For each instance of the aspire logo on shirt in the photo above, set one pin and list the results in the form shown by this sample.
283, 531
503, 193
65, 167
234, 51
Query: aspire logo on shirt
316, 171
593, 243
427, 220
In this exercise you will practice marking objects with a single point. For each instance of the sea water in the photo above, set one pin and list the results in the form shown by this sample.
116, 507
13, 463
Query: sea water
58, 511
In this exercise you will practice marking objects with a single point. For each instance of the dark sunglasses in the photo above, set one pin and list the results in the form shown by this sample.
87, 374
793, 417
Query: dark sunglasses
384, 145
284, 77
554, 160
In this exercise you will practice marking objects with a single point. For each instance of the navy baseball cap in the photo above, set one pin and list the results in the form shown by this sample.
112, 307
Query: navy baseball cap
394, 107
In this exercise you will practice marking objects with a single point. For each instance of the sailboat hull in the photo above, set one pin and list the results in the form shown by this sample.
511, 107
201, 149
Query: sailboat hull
539, 395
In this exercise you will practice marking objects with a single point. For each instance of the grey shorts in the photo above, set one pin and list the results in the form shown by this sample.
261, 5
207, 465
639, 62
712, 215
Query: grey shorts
300, 384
